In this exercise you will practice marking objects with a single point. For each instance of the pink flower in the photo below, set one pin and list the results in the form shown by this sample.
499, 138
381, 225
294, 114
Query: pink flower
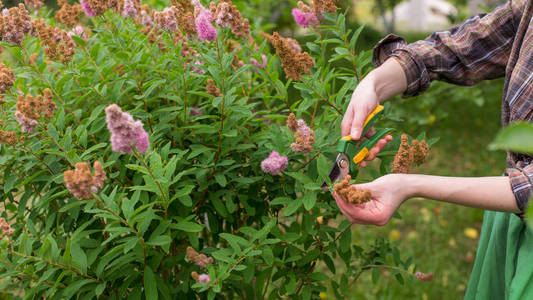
79, 31
257, 64
129, 9
424, 276
304, 19
87, 8
274, 163
204, 28
125, 132
27, 124
204, 278
195, 111
146, 20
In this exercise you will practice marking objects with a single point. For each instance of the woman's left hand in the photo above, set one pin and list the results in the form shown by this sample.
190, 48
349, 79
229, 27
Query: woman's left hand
388, 193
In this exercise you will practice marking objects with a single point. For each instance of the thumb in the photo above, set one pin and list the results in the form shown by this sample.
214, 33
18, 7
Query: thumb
358, 121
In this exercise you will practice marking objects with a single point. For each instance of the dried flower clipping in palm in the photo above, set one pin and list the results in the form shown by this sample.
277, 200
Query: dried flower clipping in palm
8, 138
29, 109
226, 14
7, 78
349, 193
294, 63
211, 88
81, 183
6, 228
69, 15
198, 259
14, 24
407, 155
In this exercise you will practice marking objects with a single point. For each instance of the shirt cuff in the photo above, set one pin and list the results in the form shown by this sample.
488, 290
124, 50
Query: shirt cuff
521, 184
418, 79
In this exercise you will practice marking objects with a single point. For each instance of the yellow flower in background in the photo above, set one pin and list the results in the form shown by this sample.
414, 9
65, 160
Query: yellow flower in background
471, 233
395, 235
320, 219
323, 295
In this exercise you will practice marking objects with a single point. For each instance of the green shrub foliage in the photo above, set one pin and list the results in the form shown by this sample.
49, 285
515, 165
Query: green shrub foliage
193, 215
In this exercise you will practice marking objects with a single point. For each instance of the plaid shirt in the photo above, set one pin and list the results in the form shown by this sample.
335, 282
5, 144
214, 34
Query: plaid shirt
486, 46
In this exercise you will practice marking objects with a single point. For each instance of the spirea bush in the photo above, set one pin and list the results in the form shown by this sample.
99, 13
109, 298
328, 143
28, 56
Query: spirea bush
150, 154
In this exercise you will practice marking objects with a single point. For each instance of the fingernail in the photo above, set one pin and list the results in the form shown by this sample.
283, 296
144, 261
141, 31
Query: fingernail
355, 135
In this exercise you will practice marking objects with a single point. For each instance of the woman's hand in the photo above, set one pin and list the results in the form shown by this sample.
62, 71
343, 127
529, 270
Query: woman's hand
388, 193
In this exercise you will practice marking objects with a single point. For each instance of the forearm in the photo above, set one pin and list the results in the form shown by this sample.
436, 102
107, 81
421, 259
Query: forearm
492, 193
387, 80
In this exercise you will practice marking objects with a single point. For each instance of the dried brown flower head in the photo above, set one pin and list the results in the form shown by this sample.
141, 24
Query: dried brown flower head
294, 63
185, 18
200, 260
80, 182
407, 155
58, 44
154, 36
419, 152
8, 138
35, 4
323, 6
69, 15
168, 18
29, 109
402, 160
292, 123
14, 24
6, 229
424, 276
100, 6
7, 78
349, 193
225, 14
211, 88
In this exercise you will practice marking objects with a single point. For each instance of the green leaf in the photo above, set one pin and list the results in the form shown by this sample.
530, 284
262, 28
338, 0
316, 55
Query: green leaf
309, 200
221, 179
187, 226
150, 284
517, 137
300, 177
323, 169
159, 240
79, 257
293, 206
128, 204
319, 276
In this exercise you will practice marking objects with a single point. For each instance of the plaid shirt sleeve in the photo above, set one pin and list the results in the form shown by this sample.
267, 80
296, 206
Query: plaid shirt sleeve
478, 49
521, 182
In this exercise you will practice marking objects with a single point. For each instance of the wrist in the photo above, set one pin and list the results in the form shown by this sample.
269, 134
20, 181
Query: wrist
409, 185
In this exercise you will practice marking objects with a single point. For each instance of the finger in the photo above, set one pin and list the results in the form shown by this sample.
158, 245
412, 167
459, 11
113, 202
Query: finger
347, 121
376, 149
340, 205
362, 164
370, 133
360, 115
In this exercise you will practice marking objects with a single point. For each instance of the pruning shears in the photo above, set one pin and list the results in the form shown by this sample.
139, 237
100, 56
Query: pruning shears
353, 152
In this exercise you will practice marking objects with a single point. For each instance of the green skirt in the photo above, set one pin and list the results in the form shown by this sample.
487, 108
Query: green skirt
503, 268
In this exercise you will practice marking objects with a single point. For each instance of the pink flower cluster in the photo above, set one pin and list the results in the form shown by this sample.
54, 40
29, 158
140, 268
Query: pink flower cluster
195, 111
26, 123
201, 278
203, 22
274, 163
260, 65
146, 20
168, 18
304, 19
125, 132
87, 8
6, 229
129, 9
79, 31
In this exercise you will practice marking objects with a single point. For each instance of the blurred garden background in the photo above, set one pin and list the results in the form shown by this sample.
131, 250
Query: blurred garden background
441, 238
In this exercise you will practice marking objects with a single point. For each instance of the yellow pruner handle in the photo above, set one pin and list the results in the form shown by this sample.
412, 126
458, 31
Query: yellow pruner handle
376, 110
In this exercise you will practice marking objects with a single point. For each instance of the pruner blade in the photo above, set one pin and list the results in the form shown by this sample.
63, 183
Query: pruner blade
340, 169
